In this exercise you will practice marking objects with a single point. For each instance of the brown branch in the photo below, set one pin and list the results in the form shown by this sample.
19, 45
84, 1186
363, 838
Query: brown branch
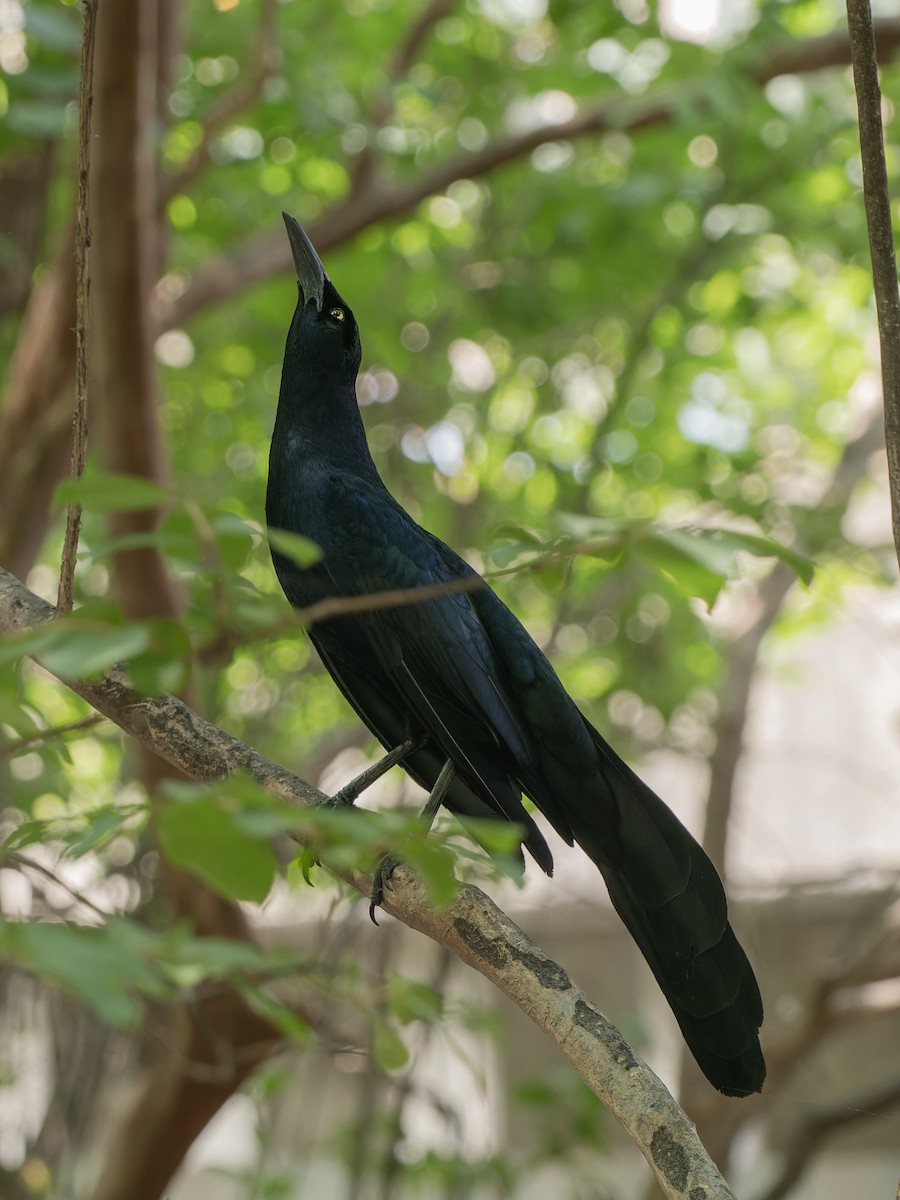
742, 651
881, 235
822, 1126
24, 185
45, 735
471, 926
66, 595
268, 254
24, 863
170, 1108
417, 34
362, 175
236, 100
36, 419
218, 648
124, 254
176, 1098
741, 655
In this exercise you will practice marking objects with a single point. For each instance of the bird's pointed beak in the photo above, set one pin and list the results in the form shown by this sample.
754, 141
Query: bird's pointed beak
311, 275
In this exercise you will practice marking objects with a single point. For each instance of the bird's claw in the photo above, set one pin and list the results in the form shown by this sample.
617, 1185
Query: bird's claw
346, 797
387, 865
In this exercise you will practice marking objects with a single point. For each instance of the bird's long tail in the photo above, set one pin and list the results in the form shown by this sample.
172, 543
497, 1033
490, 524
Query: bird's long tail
669, 895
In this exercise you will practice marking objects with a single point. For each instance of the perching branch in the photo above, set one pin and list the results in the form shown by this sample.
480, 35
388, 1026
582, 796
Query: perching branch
881, 234
471, 926
82, 304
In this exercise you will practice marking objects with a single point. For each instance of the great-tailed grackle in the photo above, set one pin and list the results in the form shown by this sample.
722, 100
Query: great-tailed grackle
460, 678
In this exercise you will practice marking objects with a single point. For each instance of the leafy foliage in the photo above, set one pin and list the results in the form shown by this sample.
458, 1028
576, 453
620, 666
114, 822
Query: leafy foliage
615, 370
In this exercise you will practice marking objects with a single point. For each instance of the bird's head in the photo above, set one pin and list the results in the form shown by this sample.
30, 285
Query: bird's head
324, 336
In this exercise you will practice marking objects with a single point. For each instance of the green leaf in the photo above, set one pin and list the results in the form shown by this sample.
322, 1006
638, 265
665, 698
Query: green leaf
204, 836
164, 664
198, 958
685, 568
72, 647
288, 1020
388, 1048
103, 492
29, 833
763, 547
34, 641
98, 828
79, 652
700, 560
234, 538
714, 550
179, 540
138, 539
409, 1000
300, 550
433, 862
104, 967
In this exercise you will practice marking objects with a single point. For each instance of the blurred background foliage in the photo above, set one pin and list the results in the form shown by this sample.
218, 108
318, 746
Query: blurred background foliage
610, 270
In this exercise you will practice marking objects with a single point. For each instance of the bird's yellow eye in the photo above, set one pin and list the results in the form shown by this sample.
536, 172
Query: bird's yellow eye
337, 313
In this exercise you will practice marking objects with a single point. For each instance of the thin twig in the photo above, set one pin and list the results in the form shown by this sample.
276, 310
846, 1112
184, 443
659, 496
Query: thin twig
82, 300
339, 606
881, 236
46, 735
23, 862
416, 35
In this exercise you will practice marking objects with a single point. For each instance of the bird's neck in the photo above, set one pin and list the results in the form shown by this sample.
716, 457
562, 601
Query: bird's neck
319, 423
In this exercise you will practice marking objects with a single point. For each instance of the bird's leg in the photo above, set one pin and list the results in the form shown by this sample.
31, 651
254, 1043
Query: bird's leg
389, 863
352, 790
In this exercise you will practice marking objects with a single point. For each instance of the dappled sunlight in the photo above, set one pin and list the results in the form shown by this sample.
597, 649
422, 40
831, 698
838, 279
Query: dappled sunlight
610, 272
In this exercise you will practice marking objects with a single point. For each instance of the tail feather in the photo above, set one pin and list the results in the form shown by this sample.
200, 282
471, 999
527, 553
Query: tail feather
670, 897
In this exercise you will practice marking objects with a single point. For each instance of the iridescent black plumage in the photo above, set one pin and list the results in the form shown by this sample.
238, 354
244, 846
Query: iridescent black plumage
463, 670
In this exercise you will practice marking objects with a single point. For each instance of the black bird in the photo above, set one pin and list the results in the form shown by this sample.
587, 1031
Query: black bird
488, 717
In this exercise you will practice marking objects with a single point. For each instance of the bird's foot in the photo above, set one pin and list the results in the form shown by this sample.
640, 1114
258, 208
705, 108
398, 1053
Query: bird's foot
387, 865
354, 789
